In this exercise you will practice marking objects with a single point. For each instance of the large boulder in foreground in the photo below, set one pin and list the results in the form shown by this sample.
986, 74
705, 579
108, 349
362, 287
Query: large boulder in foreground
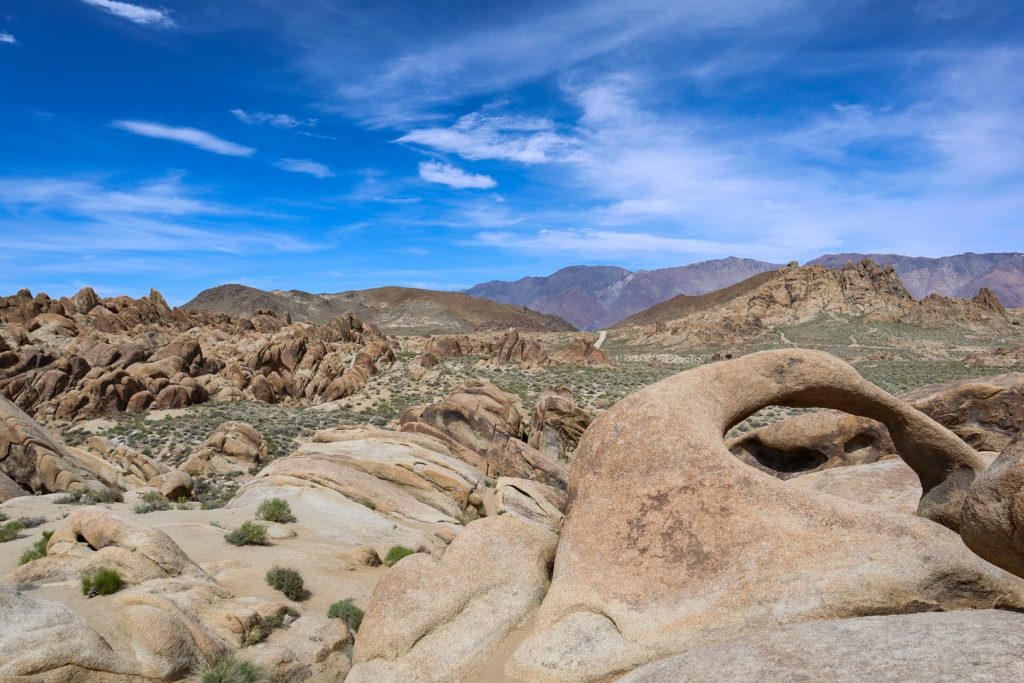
973, 645
434, 620
670, 542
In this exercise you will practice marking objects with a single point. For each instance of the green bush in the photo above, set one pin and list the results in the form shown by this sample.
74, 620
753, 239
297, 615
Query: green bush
151, 502
288, 581
250, 533
37, 550
347, 612
396, 553
101, 582
230, 670
275, 510
91, 497
10, 531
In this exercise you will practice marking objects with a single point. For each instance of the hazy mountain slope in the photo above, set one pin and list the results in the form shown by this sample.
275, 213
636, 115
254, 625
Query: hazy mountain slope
593, 297
397, 310
947, 275
1006, 280
683, 305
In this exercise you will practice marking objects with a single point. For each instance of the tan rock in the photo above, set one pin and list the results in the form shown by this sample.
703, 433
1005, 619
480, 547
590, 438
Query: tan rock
558, 424
685, 549
434, 620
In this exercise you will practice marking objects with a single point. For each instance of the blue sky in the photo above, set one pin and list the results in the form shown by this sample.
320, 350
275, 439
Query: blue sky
330, 145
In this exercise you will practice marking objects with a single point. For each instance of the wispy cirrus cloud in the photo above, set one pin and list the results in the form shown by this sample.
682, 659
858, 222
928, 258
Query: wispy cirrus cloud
275, 120
7, 38
137, 14
452, 176
483, 135
306, 166
189, 136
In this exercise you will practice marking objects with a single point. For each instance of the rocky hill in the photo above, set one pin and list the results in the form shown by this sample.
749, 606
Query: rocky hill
796, 295
962, 275
594, 297
396, 310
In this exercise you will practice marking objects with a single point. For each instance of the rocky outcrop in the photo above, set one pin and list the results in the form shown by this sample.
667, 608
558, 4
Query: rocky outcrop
137, 354
812, 442
558, 424
435, 620
234, 446
974, 645
34, 460
581, 351
487, 428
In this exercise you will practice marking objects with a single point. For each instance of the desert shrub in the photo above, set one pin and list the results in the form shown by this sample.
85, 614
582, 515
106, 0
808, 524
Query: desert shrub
346, 610
275, 510
90, 497
231, 670
250, 533
151, 502
396, 553
37, 550
31, 522
288, 581
101, 582
10, 531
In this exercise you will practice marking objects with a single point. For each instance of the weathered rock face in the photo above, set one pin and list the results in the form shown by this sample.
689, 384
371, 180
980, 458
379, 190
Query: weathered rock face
487, 428
171, 620
974, 645
813, 442
659, 559
434, 620
986, 412
133, 354
994, 510
558, 424
581, 351
373, 481
234, 446
33, 460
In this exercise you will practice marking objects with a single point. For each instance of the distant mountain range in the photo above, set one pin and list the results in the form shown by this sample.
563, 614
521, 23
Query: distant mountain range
396, 310
961, 276
596, 297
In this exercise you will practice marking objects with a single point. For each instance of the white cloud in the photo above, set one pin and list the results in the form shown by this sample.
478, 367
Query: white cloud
7, 38
479, 135
446, 174
137, 14
312, 168
189, 136
275, 120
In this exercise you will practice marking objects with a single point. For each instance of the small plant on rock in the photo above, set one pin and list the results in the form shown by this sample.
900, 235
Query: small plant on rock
347, 611
151, 502
275, 510
288, 581
250, 533
101, 582
37, 550
231, 670
10, 531
396, 553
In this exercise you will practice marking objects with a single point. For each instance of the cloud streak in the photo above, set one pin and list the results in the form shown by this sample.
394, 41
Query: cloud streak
144, 16
306, 166
446, 174
189, 136
275, 120
7, 38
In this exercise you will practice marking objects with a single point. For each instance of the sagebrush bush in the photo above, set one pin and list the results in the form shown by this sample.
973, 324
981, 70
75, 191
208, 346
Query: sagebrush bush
37, 550
275, 510
90, 497
347, 611
288, 581
10, 531
250, 533
396, 553
102, 582
231, 670
151, 502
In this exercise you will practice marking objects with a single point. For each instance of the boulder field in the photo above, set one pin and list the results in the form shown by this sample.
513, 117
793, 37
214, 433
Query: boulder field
547, 546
